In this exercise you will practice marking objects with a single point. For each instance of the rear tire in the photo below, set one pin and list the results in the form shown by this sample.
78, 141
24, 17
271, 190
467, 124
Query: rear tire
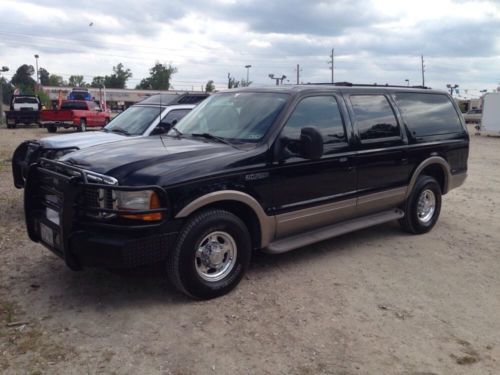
211, 255
422, 207
83, 125
51, 128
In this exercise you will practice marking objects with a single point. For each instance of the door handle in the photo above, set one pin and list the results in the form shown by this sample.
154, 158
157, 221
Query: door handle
404, 161
343, 159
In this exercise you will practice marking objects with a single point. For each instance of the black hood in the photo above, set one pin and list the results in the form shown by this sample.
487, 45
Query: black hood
158, 160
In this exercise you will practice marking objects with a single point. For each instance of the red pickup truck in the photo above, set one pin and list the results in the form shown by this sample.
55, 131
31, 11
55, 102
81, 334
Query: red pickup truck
79, 114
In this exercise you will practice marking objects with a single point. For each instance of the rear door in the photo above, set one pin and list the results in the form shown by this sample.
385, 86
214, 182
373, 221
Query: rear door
381, 160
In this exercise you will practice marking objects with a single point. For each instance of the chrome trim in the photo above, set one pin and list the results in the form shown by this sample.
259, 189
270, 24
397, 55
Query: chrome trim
267, 223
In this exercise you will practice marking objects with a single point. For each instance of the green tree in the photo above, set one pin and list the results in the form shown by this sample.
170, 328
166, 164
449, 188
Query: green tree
245, 83
7, 90
44, 76
44, 98
23, 79
232, 83
119, 78
76, 81
97, 81
159, 78
55, 80
210, 86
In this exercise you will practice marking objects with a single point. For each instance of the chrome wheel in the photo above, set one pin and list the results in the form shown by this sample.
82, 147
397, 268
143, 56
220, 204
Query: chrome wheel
426, 206
216, 256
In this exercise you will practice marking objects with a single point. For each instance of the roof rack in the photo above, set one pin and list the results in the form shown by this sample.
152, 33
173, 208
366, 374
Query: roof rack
349, 84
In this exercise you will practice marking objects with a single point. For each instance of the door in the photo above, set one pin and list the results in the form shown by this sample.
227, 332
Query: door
381, 161
314, 193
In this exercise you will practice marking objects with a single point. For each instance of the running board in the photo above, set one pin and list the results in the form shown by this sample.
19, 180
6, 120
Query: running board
317, 235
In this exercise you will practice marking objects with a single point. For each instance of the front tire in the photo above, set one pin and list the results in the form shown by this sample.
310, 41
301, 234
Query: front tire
423, 206
211, 255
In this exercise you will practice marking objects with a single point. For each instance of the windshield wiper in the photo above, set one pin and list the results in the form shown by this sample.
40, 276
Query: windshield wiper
179, 133
215, 138
120, 130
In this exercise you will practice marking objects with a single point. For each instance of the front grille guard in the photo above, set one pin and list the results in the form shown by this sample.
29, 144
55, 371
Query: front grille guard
25, 154
61, 187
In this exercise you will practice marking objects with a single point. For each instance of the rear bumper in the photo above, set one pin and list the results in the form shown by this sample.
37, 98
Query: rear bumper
456, 180
58, 123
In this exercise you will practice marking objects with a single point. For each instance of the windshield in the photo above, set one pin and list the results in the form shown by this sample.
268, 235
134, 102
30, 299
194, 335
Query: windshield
26, 100
135, 120
239, 117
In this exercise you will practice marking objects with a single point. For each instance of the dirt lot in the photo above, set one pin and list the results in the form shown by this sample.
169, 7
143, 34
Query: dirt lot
373, 302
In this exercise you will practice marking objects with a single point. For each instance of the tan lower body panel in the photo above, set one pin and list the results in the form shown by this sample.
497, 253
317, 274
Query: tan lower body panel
315, 217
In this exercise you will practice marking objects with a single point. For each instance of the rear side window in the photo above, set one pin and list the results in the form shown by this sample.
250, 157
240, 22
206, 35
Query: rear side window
428, 114
374, 117
321, 112
74, 105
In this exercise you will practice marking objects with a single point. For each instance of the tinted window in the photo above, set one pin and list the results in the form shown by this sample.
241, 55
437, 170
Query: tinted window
174, 116
26, 100
374, 117
428, 114
74, 105
321, 112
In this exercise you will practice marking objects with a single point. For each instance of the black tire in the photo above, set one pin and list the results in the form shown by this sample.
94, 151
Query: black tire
414, 223
83, 125
51, 128
183, 261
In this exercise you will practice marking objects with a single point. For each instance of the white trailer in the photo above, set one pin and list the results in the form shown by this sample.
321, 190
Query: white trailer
490, 121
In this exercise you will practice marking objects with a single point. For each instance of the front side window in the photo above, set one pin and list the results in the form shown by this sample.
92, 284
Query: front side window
374, 116
235, 117
321, 112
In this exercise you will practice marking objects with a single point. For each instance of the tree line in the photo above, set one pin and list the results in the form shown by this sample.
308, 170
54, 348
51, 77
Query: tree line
160, 78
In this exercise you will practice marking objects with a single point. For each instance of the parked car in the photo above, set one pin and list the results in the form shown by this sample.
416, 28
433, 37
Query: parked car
153, 115
23, 109
273, 169
79, 114
473, 116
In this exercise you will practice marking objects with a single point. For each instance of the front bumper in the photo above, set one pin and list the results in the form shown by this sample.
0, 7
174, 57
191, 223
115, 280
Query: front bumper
56, 219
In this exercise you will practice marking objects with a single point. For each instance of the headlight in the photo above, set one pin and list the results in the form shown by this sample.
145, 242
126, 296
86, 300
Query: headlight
141, 200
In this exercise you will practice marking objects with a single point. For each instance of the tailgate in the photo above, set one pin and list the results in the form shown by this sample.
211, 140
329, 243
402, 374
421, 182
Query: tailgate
56, 115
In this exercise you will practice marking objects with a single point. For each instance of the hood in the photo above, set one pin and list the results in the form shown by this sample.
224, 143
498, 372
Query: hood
158, 160
80, 140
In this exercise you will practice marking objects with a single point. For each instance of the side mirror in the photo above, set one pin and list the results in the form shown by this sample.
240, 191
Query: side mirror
160, 129
311, 143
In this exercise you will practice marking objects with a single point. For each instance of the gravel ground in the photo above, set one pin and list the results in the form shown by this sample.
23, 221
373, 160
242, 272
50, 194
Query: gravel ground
376, 301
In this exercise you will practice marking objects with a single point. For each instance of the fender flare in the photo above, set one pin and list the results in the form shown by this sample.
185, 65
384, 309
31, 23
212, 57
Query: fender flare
267, 223
433, 160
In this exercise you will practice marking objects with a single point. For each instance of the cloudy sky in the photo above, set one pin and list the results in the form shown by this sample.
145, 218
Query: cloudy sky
375, 41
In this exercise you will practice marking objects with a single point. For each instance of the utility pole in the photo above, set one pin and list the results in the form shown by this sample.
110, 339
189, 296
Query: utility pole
37, 72
452, 88
332, 63
423, 70
298, 74
4, 69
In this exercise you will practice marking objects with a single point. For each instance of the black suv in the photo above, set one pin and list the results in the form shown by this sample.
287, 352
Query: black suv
273, 169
